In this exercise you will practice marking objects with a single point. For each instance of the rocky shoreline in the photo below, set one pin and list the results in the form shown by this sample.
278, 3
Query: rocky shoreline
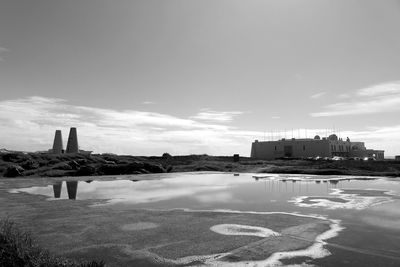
18, 164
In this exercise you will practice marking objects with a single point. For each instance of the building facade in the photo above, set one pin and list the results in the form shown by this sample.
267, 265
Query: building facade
302, 148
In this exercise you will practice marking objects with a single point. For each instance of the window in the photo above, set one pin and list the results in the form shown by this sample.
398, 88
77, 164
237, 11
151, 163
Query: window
304, 147
275, 148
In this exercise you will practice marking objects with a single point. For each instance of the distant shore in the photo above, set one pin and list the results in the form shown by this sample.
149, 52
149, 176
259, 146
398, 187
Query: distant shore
52, 165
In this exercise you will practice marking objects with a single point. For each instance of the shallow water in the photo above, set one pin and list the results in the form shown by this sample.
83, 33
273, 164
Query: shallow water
367, 209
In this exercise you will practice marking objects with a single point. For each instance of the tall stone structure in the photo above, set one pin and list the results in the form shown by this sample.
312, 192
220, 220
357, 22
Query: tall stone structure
72, 145
58, 144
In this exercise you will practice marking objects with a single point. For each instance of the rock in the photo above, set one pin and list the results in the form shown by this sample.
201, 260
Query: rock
131, 168
81, 161
143, 171
15, 157
74, 165
13, 171
62, 166
30, 165
86, 171
55, 173
153, 167
166, 156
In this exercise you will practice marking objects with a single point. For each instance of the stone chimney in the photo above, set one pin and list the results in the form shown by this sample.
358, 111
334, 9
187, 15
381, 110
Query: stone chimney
58, 144
72, 145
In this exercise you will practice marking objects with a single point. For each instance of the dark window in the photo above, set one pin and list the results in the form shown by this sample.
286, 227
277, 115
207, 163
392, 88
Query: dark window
304, 147
275, 148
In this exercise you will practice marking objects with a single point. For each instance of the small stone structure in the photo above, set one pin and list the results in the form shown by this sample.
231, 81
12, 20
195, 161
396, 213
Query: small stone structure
72, 145
58, 143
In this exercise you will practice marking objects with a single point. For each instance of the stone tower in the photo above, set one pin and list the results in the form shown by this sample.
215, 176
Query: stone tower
57, 144
72, 145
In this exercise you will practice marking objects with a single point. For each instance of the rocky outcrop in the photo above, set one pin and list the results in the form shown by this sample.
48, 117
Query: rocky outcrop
130, 168
14, 171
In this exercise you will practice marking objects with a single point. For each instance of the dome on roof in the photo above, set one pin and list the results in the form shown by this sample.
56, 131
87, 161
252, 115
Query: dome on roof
317, 137
333, 137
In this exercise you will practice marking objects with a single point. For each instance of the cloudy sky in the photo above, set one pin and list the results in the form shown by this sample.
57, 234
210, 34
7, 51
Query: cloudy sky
146, 77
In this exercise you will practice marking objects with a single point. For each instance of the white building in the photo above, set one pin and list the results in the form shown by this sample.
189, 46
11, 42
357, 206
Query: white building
302, 148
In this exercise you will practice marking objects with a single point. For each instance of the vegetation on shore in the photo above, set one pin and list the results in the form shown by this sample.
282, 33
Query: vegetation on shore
18, 249
51, 165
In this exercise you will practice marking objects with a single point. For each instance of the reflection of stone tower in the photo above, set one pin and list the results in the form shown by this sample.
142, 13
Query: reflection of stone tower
72, 188
72, 145
57, 189
57, 144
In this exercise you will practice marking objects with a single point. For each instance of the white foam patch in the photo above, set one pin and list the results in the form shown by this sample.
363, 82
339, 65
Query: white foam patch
312, 178
353, 201
238, 229
315, 251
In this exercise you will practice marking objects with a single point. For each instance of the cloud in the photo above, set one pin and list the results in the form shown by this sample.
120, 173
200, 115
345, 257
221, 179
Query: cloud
275, 117
148, 103
216, 116
29, 124
375, 99
318, 95
381, 89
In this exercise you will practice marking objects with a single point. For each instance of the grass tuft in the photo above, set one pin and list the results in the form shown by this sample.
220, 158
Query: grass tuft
18, 249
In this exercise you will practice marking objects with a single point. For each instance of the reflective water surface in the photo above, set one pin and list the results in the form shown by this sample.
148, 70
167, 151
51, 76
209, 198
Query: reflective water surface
364, 207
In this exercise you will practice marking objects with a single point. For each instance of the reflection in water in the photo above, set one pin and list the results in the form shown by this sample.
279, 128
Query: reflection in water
57, 189
270, 192
72, 188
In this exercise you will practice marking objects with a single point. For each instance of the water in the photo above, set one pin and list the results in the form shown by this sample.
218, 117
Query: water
363, 213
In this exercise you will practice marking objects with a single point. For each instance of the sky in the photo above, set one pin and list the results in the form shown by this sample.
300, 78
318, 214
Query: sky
198, 76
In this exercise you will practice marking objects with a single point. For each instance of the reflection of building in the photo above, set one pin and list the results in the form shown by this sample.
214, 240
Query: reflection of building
57, 189
72, 189
323, 147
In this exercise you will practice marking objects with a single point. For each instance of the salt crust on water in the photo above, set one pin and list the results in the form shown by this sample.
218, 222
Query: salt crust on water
354, 201
238, 229
315, 251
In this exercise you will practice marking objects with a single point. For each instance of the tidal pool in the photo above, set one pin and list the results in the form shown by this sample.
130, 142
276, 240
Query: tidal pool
212, 219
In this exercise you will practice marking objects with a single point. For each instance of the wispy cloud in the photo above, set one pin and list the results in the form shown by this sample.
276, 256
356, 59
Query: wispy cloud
148, 103
318, 95
216, 116
275, 117
381, 89
375, 99
29, 124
